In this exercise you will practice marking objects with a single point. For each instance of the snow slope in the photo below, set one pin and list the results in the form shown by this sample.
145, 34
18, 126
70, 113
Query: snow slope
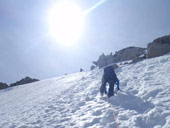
73, 101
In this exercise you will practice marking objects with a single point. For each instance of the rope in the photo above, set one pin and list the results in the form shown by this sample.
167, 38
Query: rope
114, 115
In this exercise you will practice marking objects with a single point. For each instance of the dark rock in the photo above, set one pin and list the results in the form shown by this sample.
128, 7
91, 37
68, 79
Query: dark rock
129, 53
138, 59
163, 40
3, 85
158, 47
26, 80
81, 70
125, 54
92, 67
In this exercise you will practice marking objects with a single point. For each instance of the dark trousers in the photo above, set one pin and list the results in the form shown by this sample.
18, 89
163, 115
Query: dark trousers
111, 86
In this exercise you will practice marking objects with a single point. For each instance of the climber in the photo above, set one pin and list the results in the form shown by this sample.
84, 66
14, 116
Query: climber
110, 77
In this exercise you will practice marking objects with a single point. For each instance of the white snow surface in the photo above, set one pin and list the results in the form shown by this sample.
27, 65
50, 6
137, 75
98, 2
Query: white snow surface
73, 101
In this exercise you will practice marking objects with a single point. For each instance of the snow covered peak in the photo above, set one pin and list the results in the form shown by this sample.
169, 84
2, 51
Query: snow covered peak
73, 101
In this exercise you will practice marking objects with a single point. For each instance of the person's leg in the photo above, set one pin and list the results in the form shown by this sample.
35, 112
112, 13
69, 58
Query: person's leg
111, 88
103, 86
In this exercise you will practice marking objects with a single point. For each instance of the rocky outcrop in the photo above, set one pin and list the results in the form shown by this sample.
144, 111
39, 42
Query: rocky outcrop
81, 70
26, 80
102, 61
129, 53
3, 85
138, 59
92, 67
125, 54
159, 47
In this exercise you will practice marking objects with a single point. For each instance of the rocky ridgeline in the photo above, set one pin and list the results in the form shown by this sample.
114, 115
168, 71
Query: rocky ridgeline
125, 54
158, 47
3, 85
25, 80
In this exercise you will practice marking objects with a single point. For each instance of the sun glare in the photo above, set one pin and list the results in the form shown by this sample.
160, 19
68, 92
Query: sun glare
66, 23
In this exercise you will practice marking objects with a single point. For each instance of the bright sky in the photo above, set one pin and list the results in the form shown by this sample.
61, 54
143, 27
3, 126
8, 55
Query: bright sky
27, 47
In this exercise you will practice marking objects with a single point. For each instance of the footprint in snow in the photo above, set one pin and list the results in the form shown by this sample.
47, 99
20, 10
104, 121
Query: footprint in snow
131, 102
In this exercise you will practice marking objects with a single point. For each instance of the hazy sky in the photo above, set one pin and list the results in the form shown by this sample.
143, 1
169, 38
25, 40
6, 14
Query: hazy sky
27, 50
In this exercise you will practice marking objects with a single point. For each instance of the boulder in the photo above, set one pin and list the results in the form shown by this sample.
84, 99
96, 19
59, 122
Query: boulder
158, 47
92, 67
81, 70
138, 59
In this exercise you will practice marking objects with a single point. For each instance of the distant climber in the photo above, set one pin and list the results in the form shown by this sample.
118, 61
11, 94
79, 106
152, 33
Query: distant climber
110, 77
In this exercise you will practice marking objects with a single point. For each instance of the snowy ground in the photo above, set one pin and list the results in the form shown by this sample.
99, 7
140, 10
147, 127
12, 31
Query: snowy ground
73, 101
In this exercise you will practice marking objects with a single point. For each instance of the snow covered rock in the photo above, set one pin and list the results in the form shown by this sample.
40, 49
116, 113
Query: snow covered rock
129, 53
138, 59
125, 54
159, 47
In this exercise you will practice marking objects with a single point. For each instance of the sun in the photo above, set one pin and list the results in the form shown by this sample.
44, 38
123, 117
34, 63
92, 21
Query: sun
66, 23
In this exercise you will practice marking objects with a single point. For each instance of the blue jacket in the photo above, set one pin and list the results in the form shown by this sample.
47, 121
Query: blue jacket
109, 74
